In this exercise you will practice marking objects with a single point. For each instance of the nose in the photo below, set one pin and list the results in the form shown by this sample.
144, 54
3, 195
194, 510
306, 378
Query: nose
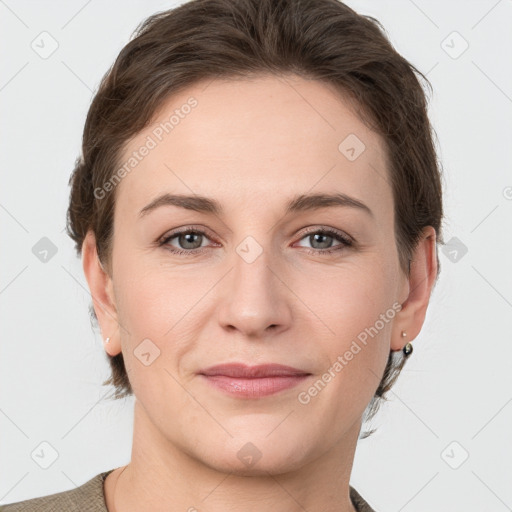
256, 299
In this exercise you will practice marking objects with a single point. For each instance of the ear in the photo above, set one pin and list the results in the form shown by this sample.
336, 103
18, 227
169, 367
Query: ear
101, 288
417, 289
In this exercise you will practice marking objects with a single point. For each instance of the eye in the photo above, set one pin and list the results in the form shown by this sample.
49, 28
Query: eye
189, 241
323, 239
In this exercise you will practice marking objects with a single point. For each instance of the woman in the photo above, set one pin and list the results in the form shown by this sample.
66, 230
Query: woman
257, 207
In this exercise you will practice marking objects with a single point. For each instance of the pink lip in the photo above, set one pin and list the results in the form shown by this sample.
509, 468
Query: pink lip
243, 381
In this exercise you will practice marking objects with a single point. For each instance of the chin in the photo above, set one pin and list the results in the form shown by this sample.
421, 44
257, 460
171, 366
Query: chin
256, 452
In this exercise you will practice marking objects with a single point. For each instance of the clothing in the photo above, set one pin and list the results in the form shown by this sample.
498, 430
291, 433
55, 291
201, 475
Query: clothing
89, 497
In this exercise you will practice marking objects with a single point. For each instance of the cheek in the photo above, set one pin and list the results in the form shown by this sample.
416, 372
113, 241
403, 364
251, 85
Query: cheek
355, 347
151, 300
162, 318
346, 300
154, 312
357, 313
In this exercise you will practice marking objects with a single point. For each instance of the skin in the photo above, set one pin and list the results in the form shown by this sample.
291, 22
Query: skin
252, 145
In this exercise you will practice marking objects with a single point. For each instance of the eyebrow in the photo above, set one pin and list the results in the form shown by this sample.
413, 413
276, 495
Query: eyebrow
300, 203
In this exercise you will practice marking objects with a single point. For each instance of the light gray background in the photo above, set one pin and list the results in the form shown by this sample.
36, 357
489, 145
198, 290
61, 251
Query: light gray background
456, 388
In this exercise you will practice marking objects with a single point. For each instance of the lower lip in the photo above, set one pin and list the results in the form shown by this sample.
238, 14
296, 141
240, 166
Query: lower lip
254, 387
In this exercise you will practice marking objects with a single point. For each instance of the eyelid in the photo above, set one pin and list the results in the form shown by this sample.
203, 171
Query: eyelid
319, 227
313, 228
195, 228
346, 241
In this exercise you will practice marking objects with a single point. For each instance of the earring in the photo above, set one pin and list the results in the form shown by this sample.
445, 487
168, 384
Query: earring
407, 350
107, 340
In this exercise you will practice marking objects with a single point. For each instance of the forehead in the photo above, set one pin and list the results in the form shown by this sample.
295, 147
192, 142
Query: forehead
254, 139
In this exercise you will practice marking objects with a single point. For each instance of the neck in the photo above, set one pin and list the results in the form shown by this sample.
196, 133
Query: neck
162, 476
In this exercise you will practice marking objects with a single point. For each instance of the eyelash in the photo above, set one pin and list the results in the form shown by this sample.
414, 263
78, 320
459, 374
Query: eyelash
346, 241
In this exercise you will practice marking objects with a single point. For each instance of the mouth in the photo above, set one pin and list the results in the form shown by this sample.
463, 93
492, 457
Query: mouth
243, 381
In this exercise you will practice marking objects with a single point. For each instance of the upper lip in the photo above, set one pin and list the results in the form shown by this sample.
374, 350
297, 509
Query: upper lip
246, 371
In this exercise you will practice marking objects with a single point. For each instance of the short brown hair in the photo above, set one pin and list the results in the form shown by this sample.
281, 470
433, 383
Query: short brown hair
322, 40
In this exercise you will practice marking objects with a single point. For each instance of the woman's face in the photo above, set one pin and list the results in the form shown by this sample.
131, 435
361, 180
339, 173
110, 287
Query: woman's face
253, 284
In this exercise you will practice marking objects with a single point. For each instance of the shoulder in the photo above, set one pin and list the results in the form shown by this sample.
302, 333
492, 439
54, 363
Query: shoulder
360, 504
88, 497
